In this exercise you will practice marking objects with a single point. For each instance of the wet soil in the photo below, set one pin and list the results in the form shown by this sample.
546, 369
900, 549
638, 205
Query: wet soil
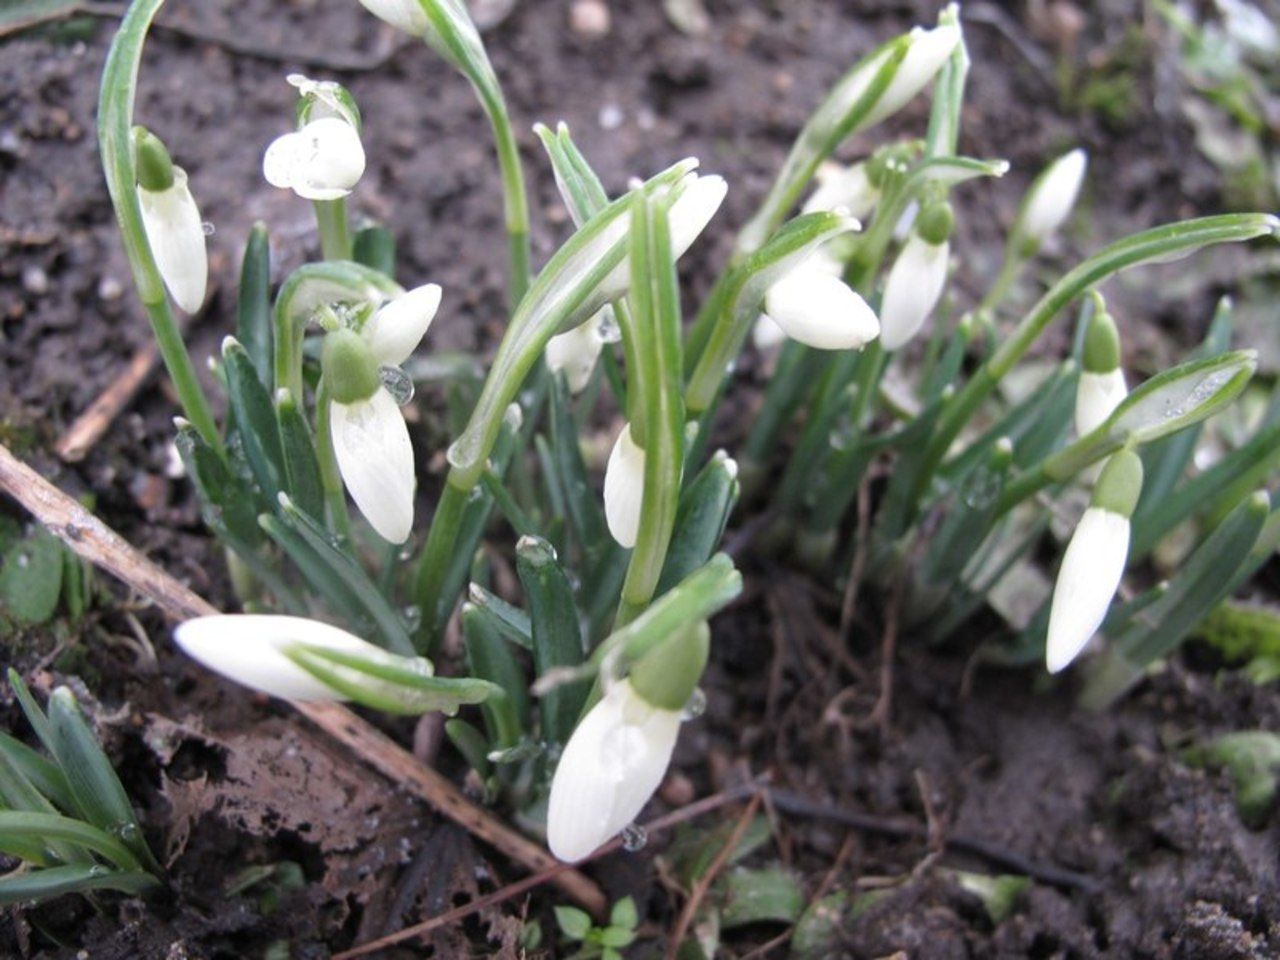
227, 781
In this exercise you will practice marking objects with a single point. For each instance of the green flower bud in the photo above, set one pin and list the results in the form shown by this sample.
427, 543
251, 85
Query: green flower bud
350, 370
935, 222
667, 675
152, 163
1120, 484
1101, 341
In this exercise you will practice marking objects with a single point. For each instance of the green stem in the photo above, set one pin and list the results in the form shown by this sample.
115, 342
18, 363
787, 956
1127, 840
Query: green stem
335, 235
177, 361
330, 475
436, 553
515, 200
1003, 282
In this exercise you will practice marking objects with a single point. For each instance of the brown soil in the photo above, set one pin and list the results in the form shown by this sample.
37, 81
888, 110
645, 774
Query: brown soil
226, 780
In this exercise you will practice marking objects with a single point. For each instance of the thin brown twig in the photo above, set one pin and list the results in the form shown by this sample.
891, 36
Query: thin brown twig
856, 570
89, 427
703, 883
90, 538
688, 812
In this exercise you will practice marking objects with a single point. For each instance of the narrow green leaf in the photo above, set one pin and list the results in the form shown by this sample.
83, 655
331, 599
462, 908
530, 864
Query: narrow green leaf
37, 885
46, 827
20, 765
470, 742
557, 634
375, 247
508, 620
31, 577
771, 895
253, 308
302, 469
255, 420
704, 512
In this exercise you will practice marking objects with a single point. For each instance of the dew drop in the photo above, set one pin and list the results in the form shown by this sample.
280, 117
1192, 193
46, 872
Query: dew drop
981, 489
398, 383
634, 837
695, 706
608, 330
208, 229
413, 616
24, 560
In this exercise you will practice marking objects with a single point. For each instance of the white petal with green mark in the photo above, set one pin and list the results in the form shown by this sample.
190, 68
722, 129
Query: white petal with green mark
375, 457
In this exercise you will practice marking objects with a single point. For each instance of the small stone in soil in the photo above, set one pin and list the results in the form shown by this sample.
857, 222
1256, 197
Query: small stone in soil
590, 19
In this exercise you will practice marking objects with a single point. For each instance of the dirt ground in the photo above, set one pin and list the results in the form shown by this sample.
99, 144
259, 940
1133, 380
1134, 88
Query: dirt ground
227, 781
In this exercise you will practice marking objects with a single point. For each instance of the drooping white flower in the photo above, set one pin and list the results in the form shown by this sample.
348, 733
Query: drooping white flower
1097, 396
406, 15
847, 190
610, 767
820, 310
766, 334
1094, 561
624, 488
575, 351
369, 436
324, 160
248, 648
912, 290
927, 52
1052, 196
396, 328
175, 234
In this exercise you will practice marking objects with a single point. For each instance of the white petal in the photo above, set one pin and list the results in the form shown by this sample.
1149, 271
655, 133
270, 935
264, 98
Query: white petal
624, 488
820, 310
246, 648
1053, 195
693, 210
766, 334
927, 53
375, 457
322, 161
610, 767
1091, 570
915, 283
175, 234
1097, 396
847, 190
406, 15
398, 326
576, 351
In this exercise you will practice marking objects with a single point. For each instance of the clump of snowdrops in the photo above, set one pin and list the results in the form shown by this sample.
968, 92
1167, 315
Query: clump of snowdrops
583, 686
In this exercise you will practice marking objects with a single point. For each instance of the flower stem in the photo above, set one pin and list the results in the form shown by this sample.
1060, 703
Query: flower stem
434, 562
335, 235
330, 476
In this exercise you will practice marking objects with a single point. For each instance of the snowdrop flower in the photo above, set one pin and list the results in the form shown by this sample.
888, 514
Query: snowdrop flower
1050, 199
396, 328
575, 352
1094, 561
324, 159
624, 488
820, 310
406, 15
250, 649
766, 334
171, 222
620, 752
369, 436
846, 190
1101, 386
926, 53
915, 283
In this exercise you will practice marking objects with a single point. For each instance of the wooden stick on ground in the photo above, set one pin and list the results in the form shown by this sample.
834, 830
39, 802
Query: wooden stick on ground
89, 427
99, 544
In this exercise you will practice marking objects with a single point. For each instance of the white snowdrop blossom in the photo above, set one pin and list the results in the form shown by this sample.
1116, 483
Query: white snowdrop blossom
611, 766
1091, 570
1052, 196
926, 53
324, 160
766, 335
912, 290
576, 351
624, 489
1097, 396
819, 309
175, 234
846, 190
249, 649
396, 328
375, 457
1094, 561
406, 15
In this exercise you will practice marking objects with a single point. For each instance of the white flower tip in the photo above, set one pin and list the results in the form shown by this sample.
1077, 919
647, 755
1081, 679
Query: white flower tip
1054, 195
175, 234
624, 489
912, 290
1092, 567
575, 352
610, 767
406, 15
693, 210
1097, 396
375, 457
396, 328
820, 310
247, 648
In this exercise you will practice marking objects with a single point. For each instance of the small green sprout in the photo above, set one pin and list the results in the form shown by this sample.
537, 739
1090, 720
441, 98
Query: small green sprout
606, 942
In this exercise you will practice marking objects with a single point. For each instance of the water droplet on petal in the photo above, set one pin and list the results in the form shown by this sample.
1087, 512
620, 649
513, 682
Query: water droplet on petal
398, 383
208, 228
695, 706
634, 837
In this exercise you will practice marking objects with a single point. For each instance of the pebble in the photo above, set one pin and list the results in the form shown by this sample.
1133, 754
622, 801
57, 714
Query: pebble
590, 19
611, 116
35, 281
109, 288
